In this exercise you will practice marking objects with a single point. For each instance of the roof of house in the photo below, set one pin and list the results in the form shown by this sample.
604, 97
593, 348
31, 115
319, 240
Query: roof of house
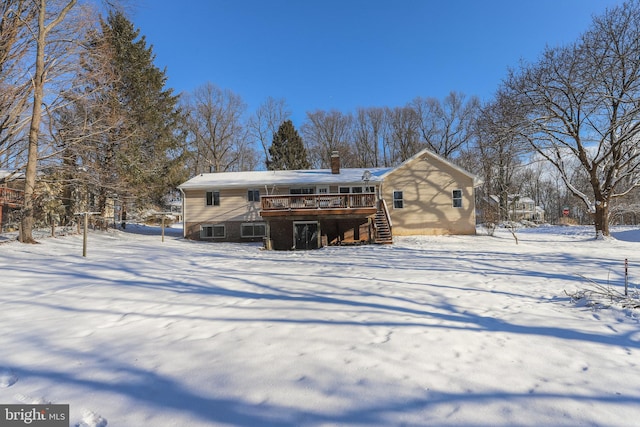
351, 176
513, 197
10, 174
476, 181
287, 177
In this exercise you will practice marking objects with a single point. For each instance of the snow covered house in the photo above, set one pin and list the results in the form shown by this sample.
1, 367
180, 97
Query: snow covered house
520, 208
307, 209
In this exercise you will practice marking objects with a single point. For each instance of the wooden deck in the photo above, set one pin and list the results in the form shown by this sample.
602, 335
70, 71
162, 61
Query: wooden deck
10, 197
362, 204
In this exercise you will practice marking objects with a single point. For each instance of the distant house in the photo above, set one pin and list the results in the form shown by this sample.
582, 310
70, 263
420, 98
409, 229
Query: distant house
307, 209
11, 194
521, 208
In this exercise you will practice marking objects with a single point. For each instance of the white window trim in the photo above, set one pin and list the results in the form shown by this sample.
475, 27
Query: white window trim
213, 198
253, 190
393, 195
454, 198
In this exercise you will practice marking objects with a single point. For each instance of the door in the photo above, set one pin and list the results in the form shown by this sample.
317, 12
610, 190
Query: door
305, 235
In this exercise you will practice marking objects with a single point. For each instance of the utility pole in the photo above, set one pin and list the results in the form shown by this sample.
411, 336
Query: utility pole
164, 214
85, 215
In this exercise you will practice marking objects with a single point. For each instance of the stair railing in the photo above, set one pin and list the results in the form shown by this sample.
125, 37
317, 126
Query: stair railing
386, 214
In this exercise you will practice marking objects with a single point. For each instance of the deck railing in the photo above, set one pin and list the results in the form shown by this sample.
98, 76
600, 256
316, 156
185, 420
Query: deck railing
318, 201
11, 197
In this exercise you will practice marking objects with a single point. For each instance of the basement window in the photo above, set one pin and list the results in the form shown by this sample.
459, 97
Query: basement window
212, 232
256, 229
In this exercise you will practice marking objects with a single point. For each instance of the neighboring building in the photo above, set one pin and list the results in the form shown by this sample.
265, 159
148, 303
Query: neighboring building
11, 194
521, 208
307, 209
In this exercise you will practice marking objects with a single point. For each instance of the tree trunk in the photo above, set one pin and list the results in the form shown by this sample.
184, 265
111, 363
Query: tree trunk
68, 198
27, 221
601, 219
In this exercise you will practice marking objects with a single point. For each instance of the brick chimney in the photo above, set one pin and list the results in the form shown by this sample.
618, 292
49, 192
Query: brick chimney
335, 162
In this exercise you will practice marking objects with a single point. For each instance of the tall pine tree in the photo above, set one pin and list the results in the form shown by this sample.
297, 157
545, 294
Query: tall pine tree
120, 133
148, 152
287, 150
90, 131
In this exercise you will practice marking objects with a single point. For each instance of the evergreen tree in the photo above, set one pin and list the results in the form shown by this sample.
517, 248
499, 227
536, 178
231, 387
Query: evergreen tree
120, 133
287, 150
147, 140
87, 129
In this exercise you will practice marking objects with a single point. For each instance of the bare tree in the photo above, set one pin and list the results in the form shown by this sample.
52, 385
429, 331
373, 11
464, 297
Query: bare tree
582, 102
402, 139
217, 136
45, 25
324, 132
15, 86
264, 124
446, 127
247, 156
499, 148
368, 129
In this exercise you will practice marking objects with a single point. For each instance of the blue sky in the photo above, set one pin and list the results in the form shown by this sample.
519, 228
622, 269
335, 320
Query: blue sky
344, 54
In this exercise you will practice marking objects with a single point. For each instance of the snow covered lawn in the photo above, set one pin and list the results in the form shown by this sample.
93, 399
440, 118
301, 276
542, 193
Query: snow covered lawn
431, 331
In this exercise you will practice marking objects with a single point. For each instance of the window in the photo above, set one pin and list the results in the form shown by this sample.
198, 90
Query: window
301, 191
213, 198
355, 190
253, 195
398, 201
256, 229
457, 198
212, 231
370, 189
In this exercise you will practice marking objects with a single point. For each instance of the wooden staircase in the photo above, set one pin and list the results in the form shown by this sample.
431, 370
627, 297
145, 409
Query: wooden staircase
382, 224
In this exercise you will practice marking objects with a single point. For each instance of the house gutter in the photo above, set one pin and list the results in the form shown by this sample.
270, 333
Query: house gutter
184, 217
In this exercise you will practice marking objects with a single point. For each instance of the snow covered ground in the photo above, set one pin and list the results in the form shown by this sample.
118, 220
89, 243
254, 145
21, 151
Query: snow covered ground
430, 331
